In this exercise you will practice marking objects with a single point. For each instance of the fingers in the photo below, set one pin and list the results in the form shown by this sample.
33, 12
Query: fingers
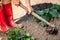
30, 10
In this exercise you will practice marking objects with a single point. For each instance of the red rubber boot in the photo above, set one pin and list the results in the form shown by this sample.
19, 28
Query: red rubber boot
3, 26
9, 16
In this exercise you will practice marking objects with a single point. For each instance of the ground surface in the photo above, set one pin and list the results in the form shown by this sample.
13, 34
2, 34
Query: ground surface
36, 30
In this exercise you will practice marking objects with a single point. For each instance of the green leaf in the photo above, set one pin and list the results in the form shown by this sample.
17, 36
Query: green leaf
35, 19
28, 39
55, 6
42, 23
58, 15
54, 12
32, 38
27, 34
46, 10
40, 12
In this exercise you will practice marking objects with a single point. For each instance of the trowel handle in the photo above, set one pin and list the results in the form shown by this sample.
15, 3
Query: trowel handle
40, 18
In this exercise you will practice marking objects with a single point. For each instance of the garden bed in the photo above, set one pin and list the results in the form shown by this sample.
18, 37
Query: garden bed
35, 29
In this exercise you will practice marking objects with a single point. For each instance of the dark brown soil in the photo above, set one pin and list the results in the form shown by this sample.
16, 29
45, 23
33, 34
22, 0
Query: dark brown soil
42, 6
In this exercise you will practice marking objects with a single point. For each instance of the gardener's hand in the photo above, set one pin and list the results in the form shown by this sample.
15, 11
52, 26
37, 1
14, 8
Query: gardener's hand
16, 2
30, 10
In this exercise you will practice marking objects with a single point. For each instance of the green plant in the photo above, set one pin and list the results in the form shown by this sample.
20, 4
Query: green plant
56, 9
19, 34
48, 14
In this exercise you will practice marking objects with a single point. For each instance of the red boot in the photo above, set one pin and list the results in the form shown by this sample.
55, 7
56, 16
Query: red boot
3, 25
9, 16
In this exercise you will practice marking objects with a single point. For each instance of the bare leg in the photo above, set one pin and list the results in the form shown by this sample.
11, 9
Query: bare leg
6, 1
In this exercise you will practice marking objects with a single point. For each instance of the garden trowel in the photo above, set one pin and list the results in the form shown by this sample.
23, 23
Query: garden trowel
51, 27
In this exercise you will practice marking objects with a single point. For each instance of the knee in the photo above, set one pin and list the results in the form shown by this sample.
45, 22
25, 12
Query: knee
6, 1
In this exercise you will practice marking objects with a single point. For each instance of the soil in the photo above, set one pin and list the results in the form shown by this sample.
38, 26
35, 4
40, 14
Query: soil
35, 29
38, 31
42, 6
